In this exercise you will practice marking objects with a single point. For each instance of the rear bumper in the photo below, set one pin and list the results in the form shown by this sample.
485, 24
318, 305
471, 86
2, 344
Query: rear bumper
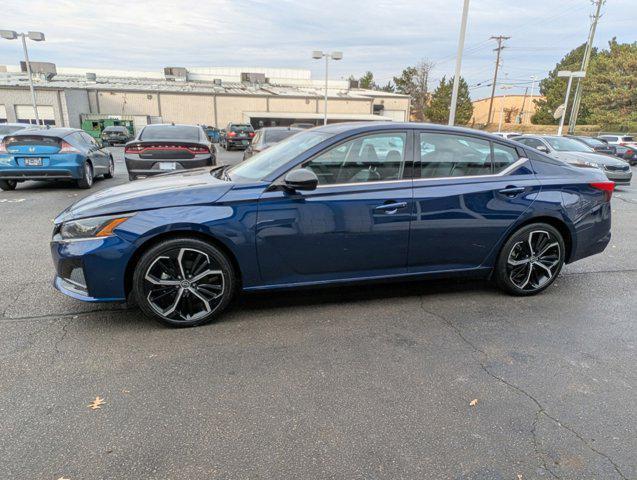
54, 166
40, 173
148, 167
238, 143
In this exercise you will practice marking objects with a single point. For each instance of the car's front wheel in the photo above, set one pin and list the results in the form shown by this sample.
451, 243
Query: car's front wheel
183, 282
111, 168
8, 184
530, 260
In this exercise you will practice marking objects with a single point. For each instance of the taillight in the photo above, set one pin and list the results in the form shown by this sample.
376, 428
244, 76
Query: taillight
251, 134
628, 152
232, 134
198, 149
66, 147
606, 187
3, 148
133, 148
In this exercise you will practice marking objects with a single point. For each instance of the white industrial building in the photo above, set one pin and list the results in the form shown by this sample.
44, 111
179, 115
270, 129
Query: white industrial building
211, 96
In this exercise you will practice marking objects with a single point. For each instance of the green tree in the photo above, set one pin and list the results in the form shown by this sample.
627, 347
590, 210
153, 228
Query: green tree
389, 87
413, 81
367, 81
438, 110
553, 89
610, 87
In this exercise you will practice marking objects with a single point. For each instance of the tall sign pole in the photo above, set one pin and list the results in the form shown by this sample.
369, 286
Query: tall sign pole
456, 78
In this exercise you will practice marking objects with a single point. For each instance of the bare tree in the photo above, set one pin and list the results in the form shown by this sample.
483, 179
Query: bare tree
414, 81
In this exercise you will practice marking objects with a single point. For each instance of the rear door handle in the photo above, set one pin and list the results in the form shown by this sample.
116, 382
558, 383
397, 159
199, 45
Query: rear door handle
391, 207
512, 191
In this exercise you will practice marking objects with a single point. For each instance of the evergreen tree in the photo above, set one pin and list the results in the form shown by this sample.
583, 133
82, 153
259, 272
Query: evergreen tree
438, 109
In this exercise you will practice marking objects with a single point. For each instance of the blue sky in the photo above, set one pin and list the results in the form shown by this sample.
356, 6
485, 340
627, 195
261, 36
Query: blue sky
381, 36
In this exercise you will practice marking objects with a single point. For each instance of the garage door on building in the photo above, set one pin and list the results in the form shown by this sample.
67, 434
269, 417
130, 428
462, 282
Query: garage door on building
395, 115
25, 114
3, 114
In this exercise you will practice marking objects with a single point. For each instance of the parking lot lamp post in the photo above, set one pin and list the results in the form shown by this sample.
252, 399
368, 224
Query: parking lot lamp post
570, 75
456, 78
36, 37
317, 55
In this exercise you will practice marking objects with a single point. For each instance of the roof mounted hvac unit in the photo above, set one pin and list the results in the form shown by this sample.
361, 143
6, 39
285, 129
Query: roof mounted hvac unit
217, 81
45, 70
247, 77
176, 74
353, 83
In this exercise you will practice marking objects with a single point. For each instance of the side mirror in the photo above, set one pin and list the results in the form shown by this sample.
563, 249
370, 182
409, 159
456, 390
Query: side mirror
301, 179
542, 148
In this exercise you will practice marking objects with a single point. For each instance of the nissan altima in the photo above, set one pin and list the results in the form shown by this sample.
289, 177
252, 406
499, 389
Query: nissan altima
339, 204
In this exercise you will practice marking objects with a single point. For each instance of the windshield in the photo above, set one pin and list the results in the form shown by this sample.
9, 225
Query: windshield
241, 128
274, 136
593, 142
115, 129
562, 144
9, 129
264, 163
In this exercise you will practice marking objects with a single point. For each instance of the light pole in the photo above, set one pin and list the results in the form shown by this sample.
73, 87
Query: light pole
36, 37
504, 88
456, 79
317, 55
570, 75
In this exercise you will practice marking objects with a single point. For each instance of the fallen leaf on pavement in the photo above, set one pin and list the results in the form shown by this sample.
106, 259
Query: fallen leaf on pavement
97, 403
473, 402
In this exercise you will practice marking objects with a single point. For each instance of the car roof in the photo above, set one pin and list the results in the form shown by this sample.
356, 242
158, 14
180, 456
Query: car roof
292, 129
49, 132
18, 124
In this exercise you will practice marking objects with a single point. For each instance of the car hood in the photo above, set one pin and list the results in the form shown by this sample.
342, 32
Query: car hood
191, 187
599, 158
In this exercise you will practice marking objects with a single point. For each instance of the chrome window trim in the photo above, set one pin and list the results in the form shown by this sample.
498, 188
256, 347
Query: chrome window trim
514, 166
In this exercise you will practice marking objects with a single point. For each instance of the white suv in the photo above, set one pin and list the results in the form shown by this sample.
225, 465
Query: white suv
622, 140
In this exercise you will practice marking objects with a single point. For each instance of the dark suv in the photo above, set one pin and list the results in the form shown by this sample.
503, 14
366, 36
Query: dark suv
164, 148
237, 135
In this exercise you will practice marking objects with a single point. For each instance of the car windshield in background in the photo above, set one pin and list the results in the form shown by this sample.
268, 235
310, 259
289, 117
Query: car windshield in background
593, 142
627, 139
170, 132
115, 129
264, 163
562, 144
241, 128
9, 129
274, 136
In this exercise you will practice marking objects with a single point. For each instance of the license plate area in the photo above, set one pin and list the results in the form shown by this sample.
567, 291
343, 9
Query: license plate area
167, 165
33, 162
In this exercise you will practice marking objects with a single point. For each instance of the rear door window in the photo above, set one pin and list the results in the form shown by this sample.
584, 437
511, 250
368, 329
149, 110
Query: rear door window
450, 155
503, 157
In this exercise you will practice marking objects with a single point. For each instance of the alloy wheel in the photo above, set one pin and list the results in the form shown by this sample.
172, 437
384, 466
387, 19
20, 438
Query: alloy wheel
88, 172
184, 284
534, 261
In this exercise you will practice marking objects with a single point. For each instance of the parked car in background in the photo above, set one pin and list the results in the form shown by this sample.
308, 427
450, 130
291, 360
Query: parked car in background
161, 148
9, 128
596, 144
237, 135
53, 154
619, 140
507, 135
324, 207
576, 153
266, 137
115, 135
630, 155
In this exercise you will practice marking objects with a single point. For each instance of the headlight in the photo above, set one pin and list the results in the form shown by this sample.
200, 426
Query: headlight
95, 227
585, 164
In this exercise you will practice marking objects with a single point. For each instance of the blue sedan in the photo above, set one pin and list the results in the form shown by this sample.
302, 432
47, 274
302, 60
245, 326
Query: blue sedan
53, 154
338, 204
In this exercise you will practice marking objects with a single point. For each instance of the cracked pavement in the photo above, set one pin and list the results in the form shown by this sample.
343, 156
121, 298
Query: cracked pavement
357, 382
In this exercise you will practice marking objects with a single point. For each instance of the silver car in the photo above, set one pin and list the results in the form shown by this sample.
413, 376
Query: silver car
576, 153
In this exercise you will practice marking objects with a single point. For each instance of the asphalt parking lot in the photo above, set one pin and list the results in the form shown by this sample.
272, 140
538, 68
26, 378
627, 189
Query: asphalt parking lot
438, 379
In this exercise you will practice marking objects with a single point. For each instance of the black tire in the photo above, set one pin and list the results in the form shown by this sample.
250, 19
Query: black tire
87, 177
177, 302
132, 177
521, 270
8, 185
111, 168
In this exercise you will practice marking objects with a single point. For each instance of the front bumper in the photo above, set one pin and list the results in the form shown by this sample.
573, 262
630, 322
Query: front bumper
619, 177
92, 270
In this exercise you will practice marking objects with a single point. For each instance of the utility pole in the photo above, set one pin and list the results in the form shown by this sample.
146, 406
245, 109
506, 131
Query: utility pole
587, 56
503, 100
499, 39
456, 79
532, 87
526, 90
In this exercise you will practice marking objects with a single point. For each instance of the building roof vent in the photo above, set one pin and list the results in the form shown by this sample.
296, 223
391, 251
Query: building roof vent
353, 83
217, 81
176, 74
253, 78
91, 77
45, 70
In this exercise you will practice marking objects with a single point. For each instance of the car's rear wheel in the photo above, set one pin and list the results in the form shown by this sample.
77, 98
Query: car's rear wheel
87, 176
111, 168
8, 184
530, 260
183, 282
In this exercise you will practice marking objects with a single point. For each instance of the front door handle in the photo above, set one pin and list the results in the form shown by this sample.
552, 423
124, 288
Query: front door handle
512, 191
390, 207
